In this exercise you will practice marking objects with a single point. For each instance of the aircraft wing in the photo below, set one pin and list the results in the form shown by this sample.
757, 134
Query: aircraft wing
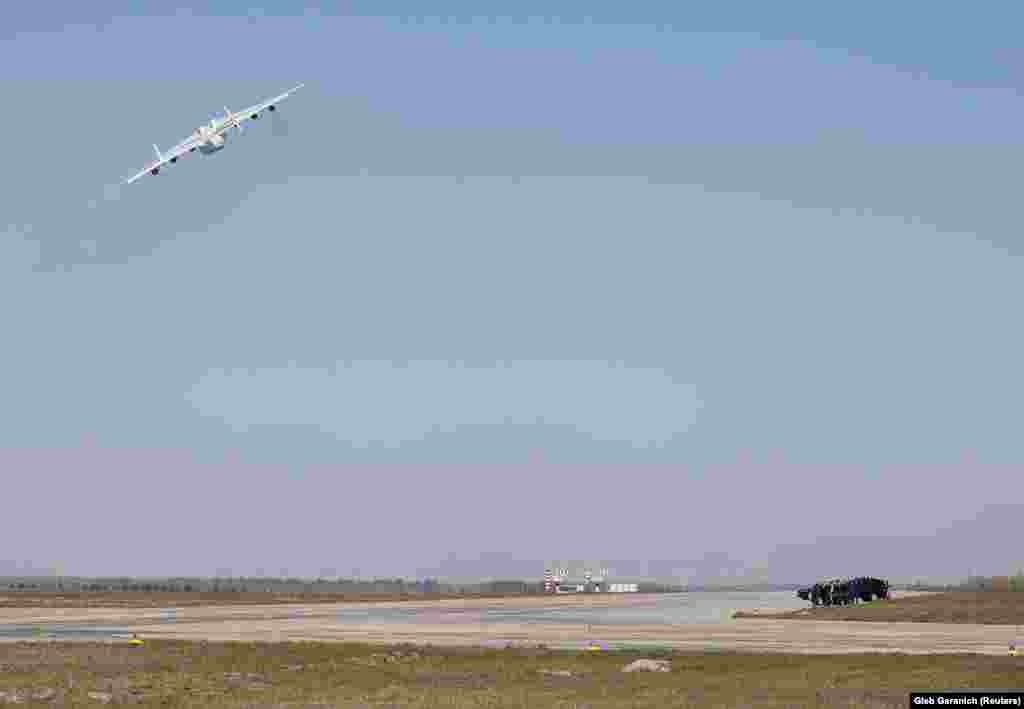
246, 114
174, 153
231, 120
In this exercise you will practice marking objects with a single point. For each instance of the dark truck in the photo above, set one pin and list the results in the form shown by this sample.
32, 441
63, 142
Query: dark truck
842, 592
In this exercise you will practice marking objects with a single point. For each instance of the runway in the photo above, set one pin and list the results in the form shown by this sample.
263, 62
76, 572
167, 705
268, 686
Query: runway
553, 621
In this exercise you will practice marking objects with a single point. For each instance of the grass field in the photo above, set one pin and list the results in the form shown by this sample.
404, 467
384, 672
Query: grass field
179, 674
985, 607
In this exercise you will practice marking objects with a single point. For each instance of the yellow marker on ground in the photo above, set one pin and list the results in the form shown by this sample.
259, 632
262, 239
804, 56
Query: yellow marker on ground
135, 640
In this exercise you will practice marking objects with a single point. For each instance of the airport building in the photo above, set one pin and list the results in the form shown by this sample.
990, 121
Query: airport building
583, 579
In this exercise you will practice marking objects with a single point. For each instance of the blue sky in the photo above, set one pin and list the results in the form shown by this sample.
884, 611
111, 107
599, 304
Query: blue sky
686, 272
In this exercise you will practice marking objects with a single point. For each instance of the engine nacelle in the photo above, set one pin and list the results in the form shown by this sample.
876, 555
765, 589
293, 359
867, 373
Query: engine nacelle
155, 171
174, 160
255, 116
271, 108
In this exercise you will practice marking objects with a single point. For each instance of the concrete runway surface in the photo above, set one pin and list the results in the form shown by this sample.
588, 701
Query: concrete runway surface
465, 622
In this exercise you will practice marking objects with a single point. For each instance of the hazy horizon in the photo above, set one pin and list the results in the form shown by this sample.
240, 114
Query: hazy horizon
734, 287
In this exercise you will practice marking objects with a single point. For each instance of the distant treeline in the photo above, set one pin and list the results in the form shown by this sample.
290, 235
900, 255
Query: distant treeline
974, 583
248, 584
252, 584
284, 585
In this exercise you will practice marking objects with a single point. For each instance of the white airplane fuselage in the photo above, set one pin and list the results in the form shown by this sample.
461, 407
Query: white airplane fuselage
213, 142
211, 137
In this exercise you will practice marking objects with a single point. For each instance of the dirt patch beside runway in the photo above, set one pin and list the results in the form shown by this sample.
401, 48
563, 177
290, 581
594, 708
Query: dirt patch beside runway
455, 623
790, 636
970, 607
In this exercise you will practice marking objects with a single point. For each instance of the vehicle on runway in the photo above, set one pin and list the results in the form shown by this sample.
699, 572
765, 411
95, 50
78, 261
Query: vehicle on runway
843, 592
212, 137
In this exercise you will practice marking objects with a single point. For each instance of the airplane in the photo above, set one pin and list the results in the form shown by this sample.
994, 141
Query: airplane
212, 137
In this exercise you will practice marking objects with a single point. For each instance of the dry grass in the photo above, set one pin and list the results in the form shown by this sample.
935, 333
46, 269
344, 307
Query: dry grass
179, 674
160, 599
985, 607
